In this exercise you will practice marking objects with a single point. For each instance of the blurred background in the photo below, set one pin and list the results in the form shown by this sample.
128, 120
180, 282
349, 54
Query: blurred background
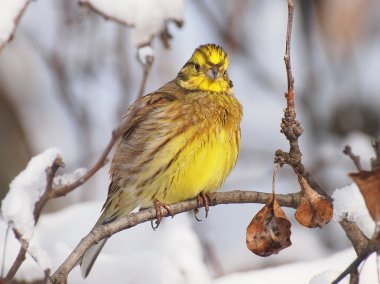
68, 75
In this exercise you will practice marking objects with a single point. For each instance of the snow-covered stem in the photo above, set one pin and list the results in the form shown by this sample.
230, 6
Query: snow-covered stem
51, 171
105, 231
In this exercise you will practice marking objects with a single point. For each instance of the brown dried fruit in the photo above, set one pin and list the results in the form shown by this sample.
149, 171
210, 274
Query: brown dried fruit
314, 210
369, 185
269, 231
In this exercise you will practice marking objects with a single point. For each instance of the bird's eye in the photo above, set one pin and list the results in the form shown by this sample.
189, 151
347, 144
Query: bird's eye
197, 67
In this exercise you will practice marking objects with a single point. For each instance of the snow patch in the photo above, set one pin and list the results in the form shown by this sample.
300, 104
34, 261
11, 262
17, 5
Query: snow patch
25, 190
148, 17
326, 277
146, 54
349, 203
40, 255
10, 11
68, 178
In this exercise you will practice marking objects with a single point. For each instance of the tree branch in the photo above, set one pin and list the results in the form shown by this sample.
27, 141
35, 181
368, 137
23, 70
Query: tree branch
105, 231
292, 130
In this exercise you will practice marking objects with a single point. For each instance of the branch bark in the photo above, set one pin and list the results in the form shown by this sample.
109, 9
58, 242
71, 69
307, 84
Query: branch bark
105, 231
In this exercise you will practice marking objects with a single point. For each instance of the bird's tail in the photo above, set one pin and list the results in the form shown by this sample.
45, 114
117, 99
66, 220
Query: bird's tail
90, 256
112, 211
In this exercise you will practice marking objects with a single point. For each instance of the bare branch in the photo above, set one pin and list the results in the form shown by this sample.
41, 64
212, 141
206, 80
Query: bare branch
105, 231
356, 159
292, 130
19, 259
289, 75
355, 235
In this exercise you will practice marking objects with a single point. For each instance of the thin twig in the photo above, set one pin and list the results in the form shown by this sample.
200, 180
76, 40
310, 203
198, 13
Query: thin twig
354, 277
19, 259
51, 171
356, 159
290, 94
133, 219
291, 128
353, 266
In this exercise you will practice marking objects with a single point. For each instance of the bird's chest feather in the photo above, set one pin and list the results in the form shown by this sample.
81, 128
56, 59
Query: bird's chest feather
202, 165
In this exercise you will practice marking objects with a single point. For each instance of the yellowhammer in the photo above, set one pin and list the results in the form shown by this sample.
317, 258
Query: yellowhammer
184, 141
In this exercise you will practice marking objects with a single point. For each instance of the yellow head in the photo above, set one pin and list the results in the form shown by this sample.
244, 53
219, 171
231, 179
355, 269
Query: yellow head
206, 70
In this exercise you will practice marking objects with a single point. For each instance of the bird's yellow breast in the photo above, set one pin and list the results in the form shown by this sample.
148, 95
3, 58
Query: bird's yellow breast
197, 162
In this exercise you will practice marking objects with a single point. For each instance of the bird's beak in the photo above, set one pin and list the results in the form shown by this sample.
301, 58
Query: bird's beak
213, 73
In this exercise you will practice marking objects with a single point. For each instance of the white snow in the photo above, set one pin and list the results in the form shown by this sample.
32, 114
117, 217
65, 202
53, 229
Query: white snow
10, 10
148, 17
25, 190
40, 255
68, 178
349, 203
306, 271
145, 53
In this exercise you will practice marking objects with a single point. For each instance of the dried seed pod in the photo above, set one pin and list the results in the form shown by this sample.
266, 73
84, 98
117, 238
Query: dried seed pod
314, 210
269, 231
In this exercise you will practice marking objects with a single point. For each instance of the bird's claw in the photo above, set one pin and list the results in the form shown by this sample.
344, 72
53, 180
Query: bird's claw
159, 213
201, 197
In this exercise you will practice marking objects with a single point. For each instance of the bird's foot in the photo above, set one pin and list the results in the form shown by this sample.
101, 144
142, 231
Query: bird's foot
201, 197
159, 213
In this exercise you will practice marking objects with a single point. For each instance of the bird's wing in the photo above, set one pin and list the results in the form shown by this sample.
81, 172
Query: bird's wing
152, 122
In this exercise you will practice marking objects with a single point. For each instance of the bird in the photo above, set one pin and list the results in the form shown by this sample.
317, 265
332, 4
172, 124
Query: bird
182, 142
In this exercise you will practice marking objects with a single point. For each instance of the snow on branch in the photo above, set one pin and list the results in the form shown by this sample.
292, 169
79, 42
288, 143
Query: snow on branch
26, 189
349, 204
10, 14
148, 18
